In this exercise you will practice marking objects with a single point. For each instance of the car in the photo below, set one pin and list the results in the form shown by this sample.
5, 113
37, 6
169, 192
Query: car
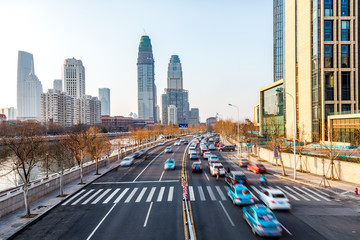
211, 147
161, 143
191, 151
203, 151
206, 155
186, 142
197, 167
182, 140
127, 161
213, 157
243, 162
170, 164
168, 150
274, 199
215, 167
235, 177
240, 195
262, 220
177, 143
220, 145
194, 156
256, 168
227, 148
137, 154
192, 146
210, 162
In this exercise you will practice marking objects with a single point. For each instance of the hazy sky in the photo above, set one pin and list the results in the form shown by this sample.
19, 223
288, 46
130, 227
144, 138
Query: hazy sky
225, 47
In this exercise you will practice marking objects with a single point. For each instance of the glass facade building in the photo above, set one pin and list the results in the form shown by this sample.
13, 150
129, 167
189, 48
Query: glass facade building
278, 41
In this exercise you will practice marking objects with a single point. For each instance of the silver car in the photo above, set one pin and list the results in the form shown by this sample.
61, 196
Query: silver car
127, 161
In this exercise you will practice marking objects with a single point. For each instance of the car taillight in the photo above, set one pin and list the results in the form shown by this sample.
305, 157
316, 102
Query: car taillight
238, 198
193, 168
288, 202
259, 225
272, 201
233, 181
200, 167
246, 180
252, 198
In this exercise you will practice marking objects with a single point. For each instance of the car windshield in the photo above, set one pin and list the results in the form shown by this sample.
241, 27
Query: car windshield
260, 165
278, 195
170, 161
196, 165
239, 177
266, 216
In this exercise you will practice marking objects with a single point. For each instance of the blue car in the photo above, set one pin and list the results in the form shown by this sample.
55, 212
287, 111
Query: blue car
169, 164
193, 156
168, 150
262, 221
240, 195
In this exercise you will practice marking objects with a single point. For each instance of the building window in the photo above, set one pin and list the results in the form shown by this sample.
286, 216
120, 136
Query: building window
329, 110
328, 55
345, 86
345, 7
345, 30
346, 108
329, 86
345, 56
328, 8
328, 30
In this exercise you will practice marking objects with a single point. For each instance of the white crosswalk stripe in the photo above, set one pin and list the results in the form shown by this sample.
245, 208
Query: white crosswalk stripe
151, 194
302, 196
201, 192
313, 192
92, 196
211, 193
316, 199
73, 197
141, 194
161, 193
82, 197
191, 192
121, 195
256, 190
131, 195
222, 196
111, 196
287, 193
171, 193
101, 196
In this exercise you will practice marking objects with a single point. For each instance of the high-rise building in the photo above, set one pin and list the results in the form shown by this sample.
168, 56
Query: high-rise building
178, 98
32, 89
104, 97
87, 110
57, 107
57, 85
146, 80
175, 77
10, 113
194, 117
73, 76
172, 114
278, 39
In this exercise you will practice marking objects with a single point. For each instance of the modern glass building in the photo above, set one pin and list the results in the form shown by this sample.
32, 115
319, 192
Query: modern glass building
104, 97
278, 39
175, 77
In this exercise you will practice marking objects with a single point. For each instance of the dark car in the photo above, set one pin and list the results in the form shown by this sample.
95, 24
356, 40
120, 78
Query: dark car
235, 177
227, 148
186, 142
197, 167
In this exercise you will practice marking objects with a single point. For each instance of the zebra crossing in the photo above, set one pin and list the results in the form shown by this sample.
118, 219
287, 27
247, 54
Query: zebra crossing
196, 193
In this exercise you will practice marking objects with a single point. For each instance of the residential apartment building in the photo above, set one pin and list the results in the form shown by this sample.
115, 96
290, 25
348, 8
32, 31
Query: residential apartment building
10, 113
87, 110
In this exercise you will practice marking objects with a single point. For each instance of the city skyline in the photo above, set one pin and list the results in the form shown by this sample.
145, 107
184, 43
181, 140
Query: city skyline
209, 41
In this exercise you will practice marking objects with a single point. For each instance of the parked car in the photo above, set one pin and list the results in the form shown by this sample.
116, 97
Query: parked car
256, 168
215, 167
239, 194
262, 221
235, 177
206, 155
168, 150
274, 199
194, 156
169, 164
227, 148
243, 162
197, 167
127, 161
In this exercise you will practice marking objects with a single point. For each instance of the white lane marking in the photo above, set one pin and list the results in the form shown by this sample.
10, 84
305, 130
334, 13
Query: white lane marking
141, 194
321, 192
287, 193
201, 192
73, 197
161, 176
111, 196
252, 194
102, 220
164, 181
316, 199
171, 193
316, 194
211, 193
226, 213
161, 193
147, 166
222, 196
206, 176
148, 214
297, 193
83, 196
121, 195
152, 191
101, 196
286, 229
128, 199
191, 191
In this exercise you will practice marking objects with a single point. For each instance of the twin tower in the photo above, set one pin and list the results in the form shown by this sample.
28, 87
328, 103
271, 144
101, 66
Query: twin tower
175, 103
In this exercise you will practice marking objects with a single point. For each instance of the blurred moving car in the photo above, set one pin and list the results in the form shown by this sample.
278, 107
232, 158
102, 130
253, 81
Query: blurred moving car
206, 155
262, 221
197, 167
215, 167
169, 164
256, 168
213, 157
161, 143
211, 147
192, 146
210, 162
168, 150
177, 143
194, 156
235, 177
127, 161
186, 142
203, 151
243, 162
239, 194
227, 148
274, 199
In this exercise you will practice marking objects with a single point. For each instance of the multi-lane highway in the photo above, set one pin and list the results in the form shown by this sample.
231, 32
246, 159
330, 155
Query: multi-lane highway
145, 202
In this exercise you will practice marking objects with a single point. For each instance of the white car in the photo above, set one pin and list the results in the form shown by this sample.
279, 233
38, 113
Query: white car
177, 143
191, 151
217, 167
161, 143
192, 147
213, 157
206, 155
274, 199
127, 161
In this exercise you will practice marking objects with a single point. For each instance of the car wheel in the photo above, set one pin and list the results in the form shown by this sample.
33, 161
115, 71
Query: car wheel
253, 230
233, 201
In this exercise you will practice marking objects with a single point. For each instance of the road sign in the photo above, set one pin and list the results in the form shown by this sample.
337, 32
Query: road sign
183, 126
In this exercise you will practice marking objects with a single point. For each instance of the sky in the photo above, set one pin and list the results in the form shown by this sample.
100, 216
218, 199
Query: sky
225, 47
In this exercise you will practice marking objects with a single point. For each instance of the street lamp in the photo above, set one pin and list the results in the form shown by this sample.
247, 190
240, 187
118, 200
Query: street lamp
281, 90
238, 123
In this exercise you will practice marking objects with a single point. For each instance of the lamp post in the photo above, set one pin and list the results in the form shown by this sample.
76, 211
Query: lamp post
47, 165
238, 126
294, 109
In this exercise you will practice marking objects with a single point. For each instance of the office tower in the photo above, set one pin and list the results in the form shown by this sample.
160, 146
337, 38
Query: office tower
278, 39
10, 113
158, 119
178, 98
194, 118
57, 85
73, 76
172, 114
87, 110
104, 97
57, 107
146, 82
175, 77
25, 66
31, 91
